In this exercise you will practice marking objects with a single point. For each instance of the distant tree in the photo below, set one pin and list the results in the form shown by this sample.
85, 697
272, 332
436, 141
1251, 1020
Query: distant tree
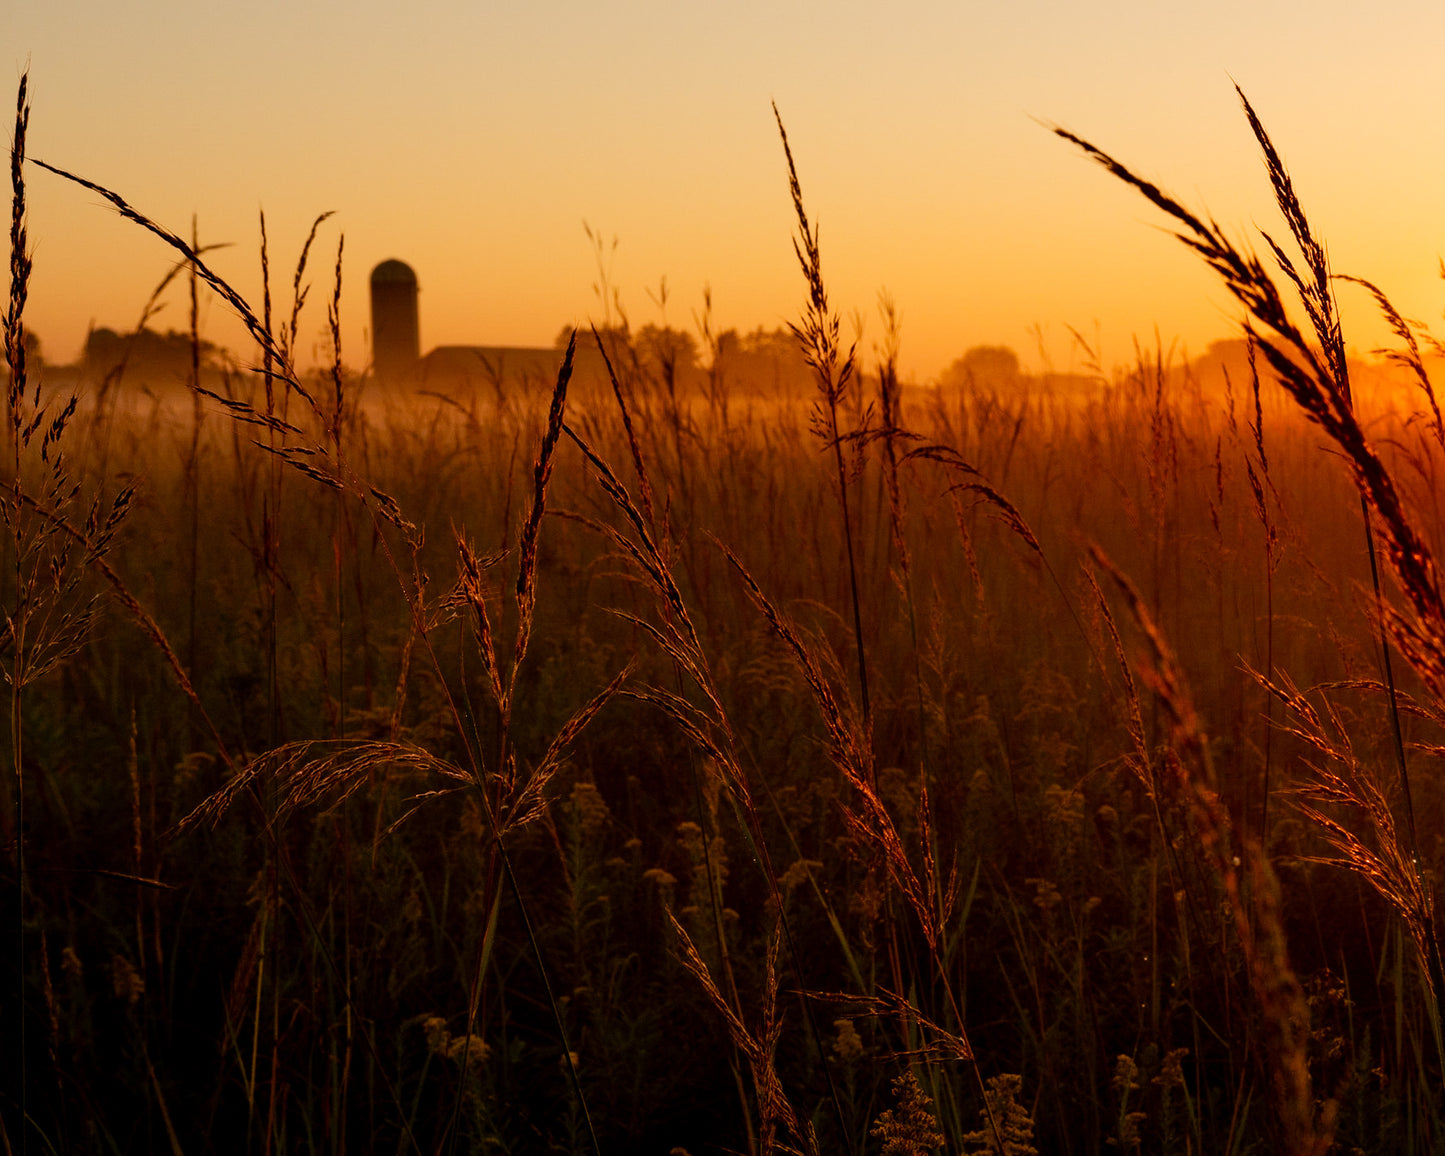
989, 366
669, 355
765, 362
32, 348
157, 358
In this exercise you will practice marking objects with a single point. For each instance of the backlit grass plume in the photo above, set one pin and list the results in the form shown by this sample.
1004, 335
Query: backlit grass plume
818, 335
1312, 368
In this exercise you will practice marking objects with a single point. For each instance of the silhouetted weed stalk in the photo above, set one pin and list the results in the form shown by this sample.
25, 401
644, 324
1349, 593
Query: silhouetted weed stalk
48, 608
306, 772
708, 726
1300, 1124
817, 333
851, 743
1315, 373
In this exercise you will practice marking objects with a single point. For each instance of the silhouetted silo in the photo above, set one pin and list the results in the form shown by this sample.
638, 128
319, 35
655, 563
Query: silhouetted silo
395, 337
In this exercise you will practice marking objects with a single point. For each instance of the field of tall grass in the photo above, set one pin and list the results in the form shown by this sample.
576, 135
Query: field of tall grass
620, 768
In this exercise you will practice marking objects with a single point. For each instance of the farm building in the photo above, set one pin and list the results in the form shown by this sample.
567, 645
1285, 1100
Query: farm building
397, 360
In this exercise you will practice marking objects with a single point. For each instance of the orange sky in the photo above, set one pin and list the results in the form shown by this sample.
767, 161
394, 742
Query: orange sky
473, 139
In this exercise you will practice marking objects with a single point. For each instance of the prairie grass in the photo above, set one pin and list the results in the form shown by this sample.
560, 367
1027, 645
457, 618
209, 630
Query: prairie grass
632, 767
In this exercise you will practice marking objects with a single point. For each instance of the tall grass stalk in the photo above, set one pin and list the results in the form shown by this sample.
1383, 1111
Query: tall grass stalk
709, 728
193, 461
1315, 288
662, 538
891, 434
341, 532
504, 686
317, 461
1262, 487
818, 335
20, 267
1302, 1125
49, 614
1316, 377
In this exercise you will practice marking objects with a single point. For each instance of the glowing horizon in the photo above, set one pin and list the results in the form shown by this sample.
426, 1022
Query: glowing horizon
473, 144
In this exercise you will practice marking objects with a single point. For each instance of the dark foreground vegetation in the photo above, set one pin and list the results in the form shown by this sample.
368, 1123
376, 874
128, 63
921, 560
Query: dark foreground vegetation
637, 771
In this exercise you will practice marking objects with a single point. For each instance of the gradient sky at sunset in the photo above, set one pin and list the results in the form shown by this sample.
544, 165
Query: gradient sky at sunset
473, 139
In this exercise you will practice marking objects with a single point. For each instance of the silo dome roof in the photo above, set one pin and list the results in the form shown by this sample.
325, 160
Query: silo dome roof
393, 272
